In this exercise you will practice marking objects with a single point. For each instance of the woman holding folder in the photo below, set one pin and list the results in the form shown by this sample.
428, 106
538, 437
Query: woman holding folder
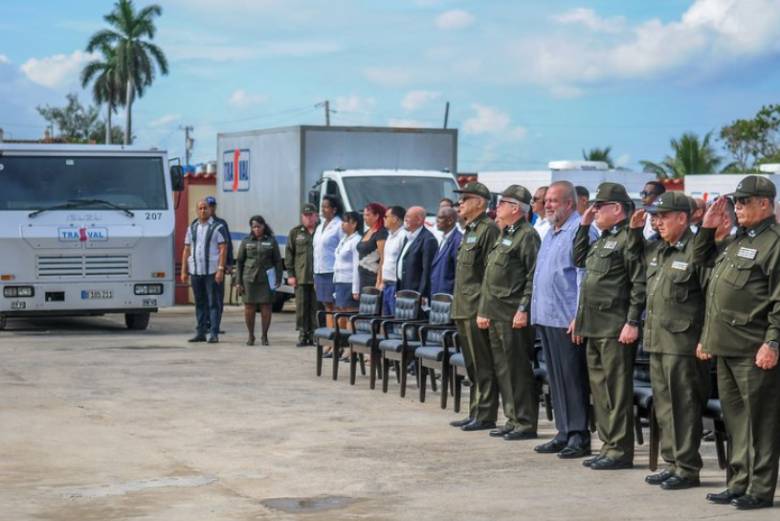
259, 273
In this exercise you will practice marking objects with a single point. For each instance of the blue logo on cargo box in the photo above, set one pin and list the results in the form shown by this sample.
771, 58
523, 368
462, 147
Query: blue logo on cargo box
235, 170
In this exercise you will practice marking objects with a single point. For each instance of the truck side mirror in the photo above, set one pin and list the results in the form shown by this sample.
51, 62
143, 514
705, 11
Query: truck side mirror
314, 197
177, 178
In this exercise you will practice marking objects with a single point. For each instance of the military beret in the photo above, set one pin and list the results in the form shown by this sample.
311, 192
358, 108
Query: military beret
612, 192
518, 193
755, 186
671, 202
309, 208
475, 188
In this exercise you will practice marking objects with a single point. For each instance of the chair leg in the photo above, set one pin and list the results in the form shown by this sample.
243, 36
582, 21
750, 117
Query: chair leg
456, 390
374, 369
445, 373
433, 379
548, 405
401, 369
353, 358
336, 357
654, 440
720, 444
640, 439
319, 359
423, 375
362, 364
397, 366
385, 373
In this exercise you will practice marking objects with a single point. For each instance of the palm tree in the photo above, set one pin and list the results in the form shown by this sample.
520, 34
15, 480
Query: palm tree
135, 57
599, 154
691, 156
108, 84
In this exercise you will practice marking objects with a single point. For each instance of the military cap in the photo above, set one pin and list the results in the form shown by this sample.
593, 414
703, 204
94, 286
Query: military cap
612, 192
518, 193
475, 188
672, 202
755, 186
211, 200
309, 208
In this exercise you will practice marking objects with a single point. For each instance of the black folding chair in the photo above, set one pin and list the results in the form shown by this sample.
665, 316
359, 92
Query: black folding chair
436, 346
399, 337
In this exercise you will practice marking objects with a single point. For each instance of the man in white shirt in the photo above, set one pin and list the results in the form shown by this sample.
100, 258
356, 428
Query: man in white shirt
541, 224
394, 220
203, 262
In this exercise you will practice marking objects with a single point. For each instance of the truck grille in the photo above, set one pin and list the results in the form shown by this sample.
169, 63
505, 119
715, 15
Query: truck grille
83, 265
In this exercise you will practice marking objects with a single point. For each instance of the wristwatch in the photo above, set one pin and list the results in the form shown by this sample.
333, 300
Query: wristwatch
522, 308
634, 323
772, 345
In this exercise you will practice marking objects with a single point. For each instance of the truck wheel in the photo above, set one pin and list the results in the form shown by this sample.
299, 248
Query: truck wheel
137, 321
279, 300
3, 322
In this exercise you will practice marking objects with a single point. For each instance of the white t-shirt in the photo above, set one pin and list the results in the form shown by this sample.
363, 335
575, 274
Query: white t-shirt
395, 240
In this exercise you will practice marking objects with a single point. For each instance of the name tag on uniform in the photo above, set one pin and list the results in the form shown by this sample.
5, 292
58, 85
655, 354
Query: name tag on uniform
610, 245
266, 243
300, 238
507, 242
747, 253
471, 240
250, 245
654, 262
679, 265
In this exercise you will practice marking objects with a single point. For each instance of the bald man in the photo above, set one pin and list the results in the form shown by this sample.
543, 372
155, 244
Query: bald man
419, 249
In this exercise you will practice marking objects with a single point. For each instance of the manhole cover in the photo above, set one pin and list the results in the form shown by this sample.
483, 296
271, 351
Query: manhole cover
308, 504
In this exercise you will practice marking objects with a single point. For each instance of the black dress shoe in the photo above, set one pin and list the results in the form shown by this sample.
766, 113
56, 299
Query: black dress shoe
326, 355
573, 452
659, 477
197, 338
607, 463
213, 340
498, 433
476, 425
520, 435
590, 461
264, 340
748, 502
250, 341
680, 483
460, 423
551, 447
723, 498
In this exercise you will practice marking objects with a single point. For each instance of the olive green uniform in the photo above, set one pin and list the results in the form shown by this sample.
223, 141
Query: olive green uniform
255, 257
612, 293
299, 259
680, 381
478, 237
742, 313
506, 289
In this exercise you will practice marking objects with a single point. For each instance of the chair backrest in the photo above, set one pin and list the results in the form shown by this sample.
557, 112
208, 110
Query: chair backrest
370, 304
441, 308
407, 305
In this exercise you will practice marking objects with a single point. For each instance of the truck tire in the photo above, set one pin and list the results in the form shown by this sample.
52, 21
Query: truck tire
279, 300
137, 321
3, 322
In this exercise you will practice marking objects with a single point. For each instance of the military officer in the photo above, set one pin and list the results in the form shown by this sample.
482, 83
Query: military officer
503, 311
675, 313
299, 260
611, 301
479, 235
742, 330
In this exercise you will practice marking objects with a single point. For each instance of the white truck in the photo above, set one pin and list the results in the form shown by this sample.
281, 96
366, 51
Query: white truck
711, 186
86, 230
274, 172
589, 174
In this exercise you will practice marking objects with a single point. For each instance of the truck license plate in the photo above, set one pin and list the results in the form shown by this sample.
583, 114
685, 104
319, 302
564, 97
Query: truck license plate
19, 304
89, 294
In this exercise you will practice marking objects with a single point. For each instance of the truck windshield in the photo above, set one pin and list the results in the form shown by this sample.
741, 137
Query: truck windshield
36, 182
403, 191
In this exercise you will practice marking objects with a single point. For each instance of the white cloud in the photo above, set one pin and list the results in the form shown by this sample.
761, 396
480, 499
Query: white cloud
407, 123
354, 104
454, 19
4, 59
56, 71
388, 76
623, 160
164, 121
589, 19
565, 91
489, 120
242, 99
418, 98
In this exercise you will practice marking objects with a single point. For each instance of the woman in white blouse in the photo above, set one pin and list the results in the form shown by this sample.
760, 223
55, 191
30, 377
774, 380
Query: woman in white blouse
346, 281
326, 239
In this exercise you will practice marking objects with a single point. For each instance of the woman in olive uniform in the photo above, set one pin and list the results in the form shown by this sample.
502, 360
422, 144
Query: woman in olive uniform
257, 254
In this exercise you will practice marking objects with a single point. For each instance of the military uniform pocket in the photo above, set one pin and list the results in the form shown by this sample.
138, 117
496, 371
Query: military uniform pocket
468, 256
737, 272
675, 325
599, 262
676, 287
734, 318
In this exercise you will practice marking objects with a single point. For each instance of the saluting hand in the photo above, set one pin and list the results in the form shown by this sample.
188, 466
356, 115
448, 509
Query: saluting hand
638, 219
714, 214
520, 320
701, 354
588, 216
483, 323
576, 339
766, 357
629, 334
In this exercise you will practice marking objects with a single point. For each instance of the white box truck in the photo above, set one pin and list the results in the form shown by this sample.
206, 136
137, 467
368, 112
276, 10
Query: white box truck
274, 172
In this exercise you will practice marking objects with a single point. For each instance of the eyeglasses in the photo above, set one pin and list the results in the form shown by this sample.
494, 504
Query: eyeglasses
507, 201
535, 199
599, 206
742, 201
645, 193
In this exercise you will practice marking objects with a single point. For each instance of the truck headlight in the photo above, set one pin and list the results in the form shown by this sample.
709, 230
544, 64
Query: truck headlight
18, 291
148, 289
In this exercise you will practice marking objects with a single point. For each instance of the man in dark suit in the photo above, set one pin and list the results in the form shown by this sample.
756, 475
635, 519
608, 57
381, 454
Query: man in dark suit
414, 262
443, 268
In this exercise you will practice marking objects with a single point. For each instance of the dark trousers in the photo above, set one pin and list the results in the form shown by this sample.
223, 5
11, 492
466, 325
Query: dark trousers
511, 349
221, 302
483, 400
204, 288
388, 298
748, 395
305, 310
567, 373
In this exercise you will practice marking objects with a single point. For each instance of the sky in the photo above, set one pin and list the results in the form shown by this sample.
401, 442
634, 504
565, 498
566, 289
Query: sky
528, 82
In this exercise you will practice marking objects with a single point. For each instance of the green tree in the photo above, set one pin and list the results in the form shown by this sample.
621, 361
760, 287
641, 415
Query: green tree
599, 154
107, 87
689, 156
137, 58
78, 124
753, 141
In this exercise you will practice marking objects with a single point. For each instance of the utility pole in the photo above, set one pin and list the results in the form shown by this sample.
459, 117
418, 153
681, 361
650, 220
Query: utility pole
188, 143
446, 114
326, 105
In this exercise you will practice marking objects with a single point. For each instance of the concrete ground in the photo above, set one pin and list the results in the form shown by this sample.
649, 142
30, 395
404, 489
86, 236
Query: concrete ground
97, 424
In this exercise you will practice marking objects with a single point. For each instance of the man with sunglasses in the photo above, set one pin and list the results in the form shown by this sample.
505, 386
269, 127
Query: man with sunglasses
479, 235
612, 297
675, 312
649, 194
742, 330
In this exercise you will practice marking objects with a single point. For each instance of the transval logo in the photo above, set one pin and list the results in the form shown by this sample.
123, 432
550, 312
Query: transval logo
235, 170
82, 234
